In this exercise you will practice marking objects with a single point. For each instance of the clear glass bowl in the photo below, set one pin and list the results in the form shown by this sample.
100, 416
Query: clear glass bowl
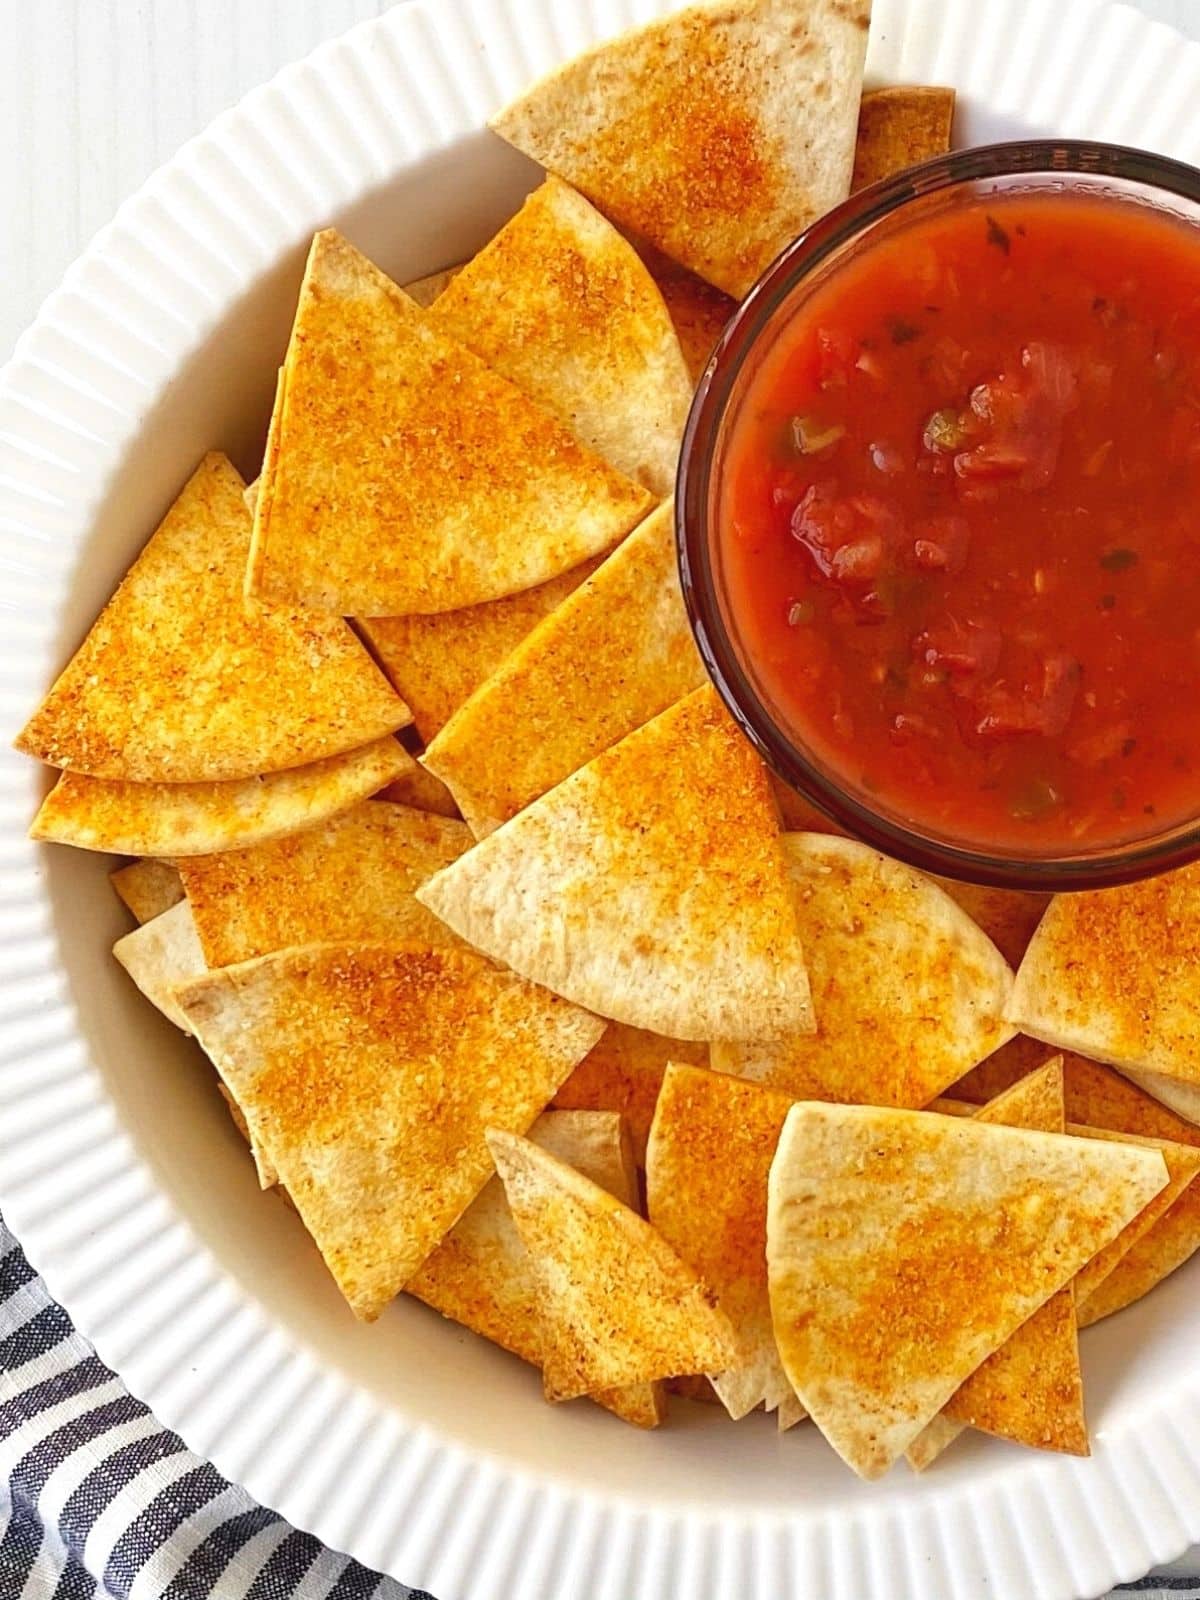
1056, 166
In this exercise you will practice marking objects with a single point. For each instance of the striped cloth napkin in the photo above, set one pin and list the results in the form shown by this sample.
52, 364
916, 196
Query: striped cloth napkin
99, 1502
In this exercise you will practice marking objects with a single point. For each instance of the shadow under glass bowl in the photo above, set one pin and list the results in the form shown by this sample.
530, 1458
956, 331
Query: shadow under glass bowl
1032, 167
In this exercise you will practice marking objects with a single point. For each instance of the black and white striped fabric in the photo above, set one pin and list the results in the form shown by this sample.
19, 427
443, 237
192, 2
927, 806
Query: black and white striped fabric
99, 1502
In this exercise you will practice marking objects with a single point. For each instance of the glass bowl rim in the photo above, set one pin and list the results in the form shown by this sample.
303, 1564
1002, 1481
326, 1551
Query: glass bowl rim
1034, 158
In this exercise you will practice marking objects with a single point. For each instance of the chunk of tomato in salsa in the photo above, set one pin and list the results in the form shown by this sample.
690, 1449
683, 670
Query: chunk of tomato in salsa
958, 521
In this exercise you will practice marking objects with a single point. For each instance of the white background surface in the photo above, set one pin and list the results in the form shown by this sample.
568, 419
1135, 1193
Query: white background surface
95, 94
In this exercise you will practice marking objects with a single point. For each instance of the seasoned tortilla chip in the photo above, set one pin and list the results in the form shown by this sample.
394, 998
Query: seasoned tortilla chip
1171, 1241
624, 1073
561, 304
192, 819
420, 789
181, 681
1115, 975
408, 475
1030, 1390
707, 1163
1009, 917
618, 1305
903, 1248
368, 1073
348, 880
426, 290
147, 887
908, 992
899, 127
649, 886
442, 659
481, 1276
614, 654
162, 954
718, 133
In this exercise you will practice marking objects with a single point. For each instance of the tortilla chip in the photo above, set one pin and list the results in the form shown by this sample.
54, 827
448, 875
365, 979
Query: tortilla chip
481, 1276
718, 133
421, 790
181, 681
1030, 1390
904, 1248
1181, 1098
624, 1072
614, 654
618, 1305
561, 304
193, 819
409, 476
368, 1073
426, 290
1171, 1241
1113, 975
649, 886
898, 128
1012, 1062
441, 660
349, 880
147, 888
1009, 917
908, 992
162, 954
707, 1162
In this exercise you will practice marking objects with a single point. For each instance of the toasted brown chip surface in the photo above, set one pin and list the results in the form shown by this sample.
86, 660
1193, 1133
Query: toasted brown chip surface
899, 127
624, 1072
619, 1306
707, 1161
561, 304
718, 133
903, 1248
908, 992
420, 789
347, 880
481, 1275
649, 886
181, 681
437, 662
147, 887
1113, 975
615, 653
190, 819
409, 476
369, 1073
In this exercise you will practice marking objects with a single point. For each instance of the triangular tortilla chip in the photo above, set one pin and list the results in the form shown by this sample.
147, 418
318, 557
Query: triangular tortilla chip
908, 992
182, 681
1009, 917
421, 790
1030, 1390
624, 1073
147, 888
1115, 975
345, 881
618, 1305
162, 954
614, 654
368, 1074
437, 662
899, 127
707, 1162
193, 819
408, 475
718, 133
1171, 1241
561, 304
1183, 1167
426, 290
481, 1275
903, 1248
649, 886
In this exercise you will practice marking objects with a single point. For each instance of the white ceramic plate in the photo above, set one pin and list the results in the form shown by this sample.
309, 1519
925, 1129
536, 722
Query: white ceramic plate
416, 1447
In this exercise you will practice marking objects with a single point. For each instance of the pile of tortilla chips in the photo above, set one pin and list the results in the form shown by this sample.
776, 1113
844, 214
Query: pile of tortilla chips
455, 1004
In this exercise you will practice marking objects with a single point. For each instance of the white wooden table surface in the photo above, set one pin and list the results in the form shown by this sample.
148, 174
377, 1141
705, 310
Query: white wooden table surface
95, 94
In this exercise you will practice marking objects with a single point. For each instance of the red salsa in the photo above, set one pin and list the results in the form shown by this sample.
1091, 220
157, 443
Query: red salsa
960, 522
